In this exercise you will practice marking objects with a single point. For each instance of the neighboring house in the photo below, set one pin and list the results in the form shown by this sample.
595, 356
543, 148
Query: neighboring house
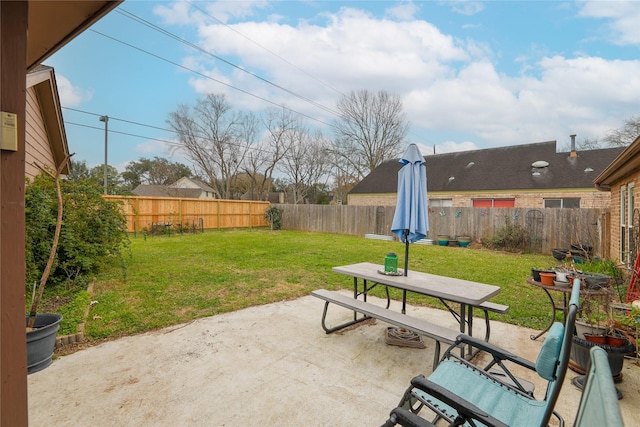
271, 197
521, 176
188, 188
621, 179
46, 140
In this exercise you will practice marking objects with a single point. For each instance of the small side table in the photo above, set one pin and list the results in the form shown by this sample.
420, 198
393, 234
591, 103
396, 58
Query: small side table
564, 308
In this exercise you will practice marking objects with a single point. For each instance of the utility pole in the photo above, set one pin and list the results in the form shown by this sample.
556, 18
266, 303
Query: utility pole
105, 119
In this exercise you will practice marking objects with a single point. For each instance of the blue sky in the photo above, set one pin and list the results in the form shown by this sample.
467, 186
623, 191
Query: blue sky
470, 74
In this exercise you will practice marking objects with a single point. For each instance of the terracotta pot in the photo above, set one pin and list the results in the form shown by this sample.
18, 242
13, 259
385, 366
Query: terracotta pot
547, 278
535, 273
598, 339
583, 327
616, 341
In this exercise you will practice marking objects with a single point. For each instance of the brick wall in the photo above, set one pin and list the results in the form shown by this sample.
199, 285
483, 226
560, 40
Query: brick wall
615, 242
589, 198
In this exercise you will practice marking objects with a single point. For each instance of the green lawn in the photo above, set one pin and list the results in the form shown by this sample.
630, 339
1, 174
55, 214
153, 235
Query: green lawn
173, 279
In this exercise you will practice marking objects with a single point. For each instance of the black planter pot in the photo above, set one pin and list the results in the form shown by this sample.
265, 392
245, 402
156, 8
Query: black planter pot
42, 341
560, 254
579, 358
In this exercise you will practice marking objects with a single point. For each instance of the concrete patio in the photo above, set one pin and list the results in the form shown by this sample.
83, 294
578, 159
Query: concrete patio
265, 365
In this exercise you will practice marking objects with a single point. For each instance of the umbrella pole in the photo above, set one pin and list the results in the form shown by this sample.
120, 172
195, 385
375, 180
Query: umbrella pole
406, 267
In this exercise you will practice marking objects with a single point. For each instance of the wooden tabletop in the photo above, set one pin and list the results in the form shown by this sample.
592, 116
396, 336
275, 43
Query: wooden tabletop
447, 288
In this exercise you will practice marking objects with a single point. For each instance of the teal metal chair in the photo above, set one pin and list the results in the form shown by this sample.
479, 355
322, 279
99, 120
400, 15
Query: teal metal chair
599, 400
461, 393
598, 404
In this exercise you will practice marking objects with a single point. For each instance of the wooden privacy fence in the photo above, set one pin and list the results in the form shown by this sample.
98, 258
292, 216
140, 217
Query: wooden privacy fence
146, 212
547, 228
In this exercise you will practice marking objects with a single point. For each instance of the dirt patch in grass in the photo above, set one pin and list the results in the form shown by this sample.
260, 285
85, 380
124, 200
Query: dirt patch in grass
50, 305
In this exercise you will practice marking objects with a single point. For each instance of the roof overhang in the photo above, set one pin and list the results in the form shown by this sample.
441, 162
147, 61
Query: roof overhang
43, 81
53, 23
627, 163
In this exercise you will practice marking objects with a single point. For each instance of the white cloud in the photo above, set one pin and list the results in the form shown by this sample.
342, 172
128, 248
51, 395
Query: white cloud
623, 19
404, 11
447, 84
222, 11
71, 96
393, 56
452, 146
154, 147
465, 7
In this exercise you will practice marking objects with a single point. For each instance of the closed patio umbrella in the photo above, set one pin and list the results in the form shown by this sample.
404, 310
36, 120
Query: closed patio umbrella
410, 221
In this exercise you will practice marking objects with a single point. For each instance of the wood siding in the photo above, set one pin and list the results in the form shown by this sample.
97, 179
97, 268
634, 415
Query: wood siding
38, 149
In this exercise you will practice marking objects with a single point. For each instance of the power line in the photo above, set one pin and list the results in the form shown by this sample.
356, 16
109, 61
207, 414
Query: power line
266, 49
149, 138
199, 49
209, 77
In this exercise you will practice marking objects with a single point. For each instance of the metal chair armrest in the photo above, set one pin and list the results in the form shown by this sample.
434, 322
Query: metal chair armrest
499, 354
465, 409
406, 418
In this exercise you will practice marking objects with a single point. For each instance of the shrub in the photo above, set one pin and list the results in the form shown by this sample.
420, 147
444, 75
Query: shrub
513, 237
274, 216
93, 230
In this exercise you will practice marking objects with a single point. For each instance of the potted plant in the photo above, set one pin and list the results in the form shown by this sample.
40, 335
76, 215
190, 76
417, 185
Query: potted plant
41, 329
443, 239
595, 324
464, 240
595, 315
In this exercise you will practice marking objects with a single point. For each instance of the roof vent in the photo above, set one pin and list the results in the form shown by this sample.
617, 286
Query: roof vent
470, 164
536, 173
540, 164
588, 170
451, 178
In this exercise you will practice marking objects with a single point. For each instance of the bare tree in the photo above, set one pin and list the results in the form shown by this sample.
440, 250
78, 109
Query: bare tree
371, 129
212, 137
262, 161
625, 135
306, 164
589, 144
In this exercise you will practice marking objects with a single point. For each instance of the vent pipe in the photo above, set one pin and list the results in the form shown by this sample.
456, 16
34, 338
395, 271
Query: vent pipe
574, 153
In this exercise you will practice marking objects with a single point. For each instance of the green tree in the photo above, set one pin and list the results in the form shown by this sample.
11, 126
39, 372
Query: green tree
115, 184
93, 230
156, 171
78, 170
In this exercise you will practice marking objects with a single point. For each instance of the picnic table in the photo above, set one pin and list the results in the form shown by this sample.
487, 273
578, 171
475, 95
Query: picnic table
467, 294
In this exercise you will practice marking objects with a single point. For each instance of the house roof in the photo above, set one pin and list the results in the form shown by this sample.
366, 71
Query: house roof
186, 182
627, 163
42, 79
494, 169
146, 190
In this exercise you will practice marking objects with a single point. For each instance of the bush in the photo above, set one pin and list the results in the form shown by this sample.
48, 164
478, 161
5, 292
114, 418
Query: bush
513, 237
93, 230
274, 216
